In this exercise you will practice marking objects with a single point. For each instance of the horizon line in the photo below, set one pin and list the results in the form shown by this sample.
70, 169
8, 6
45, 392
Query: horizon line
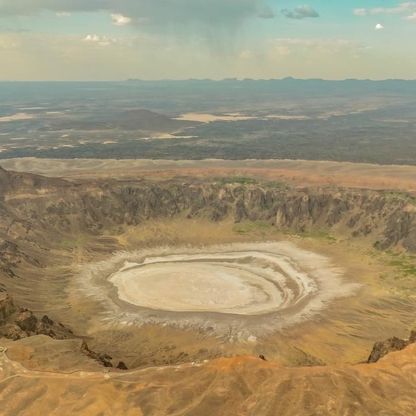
229, 79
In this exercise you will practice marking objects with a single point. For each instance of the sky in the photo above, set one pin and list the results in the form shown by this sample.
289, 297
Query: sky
181, 39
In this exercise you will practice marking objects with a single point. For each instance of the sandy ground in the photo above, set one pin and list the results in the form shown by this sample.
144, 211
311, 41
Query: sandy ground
298, 172
209, 118
245, 386
17, 117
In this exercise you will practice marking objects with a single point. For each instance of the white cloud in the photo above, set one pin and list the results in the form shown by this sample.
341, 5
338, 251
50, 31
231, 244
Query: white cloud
405, 8
360, 12
92, 38
411, 17
99, 40
379, 26
400, 9
120, 20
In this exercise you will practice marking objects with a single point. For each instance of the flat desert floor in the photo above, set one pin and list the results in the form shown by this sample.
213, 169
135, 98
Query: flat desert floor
298, 172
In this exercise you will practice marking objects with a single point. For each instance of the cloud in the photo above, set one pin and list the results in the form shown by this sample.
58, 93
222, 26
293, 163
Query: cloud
212, 24
120, 20
411, 17
157, 13
63, 14
285, 46
379, 26
360, 12
28, 7
405, 8
99, 40
300, 12
92, 38
54, 56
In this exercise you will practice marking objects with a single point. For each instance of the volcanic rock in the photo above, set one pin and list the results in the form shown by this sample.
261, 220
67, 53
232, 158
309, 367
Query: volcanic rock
7, 307
122, 366
104, 359
383, 348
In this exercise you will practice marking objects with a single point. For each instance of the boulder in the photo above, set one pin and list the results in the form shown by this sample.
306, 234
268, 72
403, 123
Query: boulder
122, 366
27, 321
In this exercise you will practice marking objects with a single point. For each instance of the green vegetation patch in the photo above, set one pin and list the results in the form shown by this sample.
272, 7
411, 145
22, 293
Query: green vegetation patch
253, 227
404, 263
318, 235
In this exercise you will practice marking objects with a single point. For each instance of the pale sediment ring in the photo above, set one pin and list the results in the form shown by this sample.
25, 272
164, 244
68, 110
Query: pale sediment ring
240, 282
250, 287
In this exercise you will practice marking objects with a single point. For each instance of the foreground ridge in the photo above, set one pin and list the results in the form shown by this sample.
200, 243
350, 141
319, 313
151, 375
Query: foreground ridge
241, 385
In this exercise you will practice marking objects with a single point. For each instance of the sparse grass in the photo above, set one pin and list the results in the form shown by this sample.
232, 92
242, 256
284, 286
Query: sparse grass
253, 227
276, 185
404, 263
74, 242
317, 234
241, 180
401, 195
247, 180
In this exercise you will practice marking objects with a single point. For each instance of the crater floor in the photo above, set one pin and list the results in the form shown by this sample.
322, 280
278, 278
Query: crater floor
227, 286
197, 286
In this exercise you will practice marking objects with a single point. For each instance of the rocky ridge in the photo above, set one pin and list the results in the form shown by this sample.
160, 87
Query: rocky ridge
18, 323
37, 213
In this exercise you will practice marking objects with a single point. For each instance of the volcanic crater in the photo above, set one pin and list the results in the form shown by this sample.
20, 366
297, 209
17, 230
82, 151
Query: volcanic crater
156, 272
183, 285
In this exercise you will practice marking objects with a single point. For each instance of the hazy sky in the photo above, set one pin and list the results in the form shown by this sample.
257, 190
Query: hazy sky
178, 39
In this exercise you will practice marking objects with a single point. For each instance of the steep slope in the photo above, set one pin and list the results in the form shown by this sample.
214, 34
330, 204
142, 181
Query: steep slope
386, 218
237, 386
39, 215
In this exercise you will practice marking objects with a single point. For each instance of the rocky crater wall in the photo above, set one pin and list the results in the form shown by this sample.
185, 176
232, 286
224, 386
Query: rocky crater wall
36, 211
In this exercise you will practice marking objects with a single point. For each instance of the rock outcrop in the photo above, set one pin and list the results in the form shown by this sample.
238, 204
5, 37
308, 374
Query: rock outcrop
35, 206
103, 359
7, 307
17, 323
383, 348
